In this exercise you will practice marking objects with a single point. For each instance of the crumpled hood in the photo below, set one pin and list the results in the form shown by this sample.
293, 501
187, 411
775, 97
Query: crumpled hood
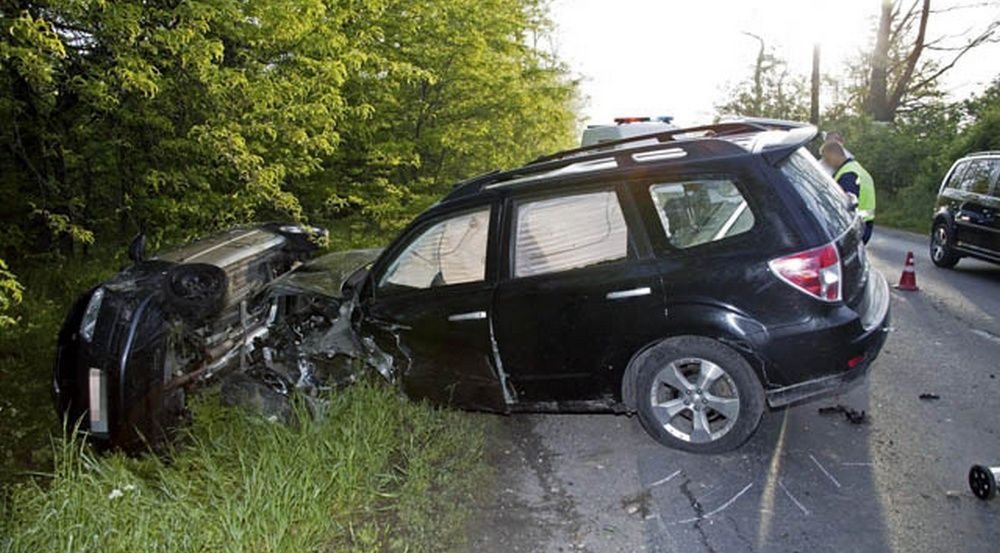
324, 275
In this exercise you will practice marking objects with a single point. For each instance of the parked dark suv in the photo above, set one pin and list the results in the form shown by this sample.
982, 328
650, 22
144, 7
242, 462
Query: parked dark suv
967, 214
696, 277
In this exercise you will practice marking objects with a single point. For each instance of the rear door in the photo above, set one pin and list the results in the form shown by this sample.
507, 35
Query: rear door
431, 307
581, 295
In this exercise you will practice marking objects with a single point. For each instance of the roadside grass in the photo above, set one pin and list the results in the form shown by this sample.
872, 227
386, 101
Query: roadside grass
374, 472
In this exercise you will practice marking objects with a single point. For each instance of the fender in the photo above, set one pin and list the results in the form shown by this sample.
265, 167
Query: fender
724, 323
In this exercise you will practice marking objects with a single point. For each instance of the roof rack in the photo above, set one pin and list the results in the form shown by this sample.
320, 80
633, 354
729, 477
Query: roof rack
720, 129
711, 143
985, 153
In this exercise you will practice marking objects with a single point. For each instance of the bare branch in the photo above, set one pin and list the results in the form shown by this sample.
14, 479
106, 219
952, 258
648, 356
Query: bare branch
984, 37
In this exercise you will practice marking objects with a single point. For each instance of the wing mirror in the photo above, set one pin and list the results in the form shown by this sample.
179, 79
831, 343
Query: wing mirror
137, 249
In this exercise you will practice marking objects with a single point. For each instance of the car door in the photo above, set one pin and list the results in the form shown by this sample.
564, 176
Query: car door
974, 217
992, 211
579, 295
429, 305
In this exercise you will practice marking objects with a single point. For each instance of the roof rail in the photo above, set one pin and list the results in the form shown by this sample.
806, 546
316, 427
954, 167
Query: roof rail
984, 153
621, 158
720, 129
713, 144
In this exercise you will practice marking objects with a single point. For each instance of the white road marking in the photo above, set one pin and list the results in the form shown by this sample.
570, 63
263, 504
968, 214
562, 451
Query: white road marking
718, 510
988, 335
664, 480
792, 497
828, 475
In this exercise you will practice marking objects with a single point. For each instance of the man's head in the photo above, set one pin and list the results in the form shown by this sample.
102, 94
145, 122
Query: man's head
834, 136
833, 153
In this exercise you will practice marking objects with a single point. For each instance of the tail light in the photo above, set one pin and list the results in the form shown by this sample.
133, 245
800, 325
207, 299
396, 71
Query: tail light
815, 272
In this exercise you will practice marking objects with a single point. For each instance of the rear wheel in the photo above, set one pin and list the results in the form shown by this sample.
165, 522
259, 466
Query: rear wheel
942, 253
698, 395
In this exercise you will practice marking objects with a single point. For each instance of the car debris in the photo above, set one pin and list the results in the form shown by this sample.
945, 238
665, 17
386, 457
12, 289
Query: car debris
983, 481
853, 416
929, 397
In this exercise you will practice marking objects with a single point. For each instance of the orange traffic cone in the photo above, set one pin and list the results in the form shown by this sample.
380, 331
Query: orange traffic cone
908, 280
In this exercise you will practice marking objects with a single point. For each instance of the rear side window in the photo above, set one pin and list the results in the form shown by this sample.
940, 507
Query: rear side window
569, 232
701, 211
452, 251
822, 195
955, 179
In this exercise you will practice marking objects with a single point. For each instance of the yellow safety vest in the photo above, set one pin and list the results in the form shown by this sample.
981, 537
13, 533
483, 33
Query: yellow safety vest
866, 188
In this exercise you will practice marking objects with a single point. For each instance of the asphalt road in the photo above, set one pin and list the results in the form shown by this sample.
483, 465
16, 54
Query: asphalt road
807, 481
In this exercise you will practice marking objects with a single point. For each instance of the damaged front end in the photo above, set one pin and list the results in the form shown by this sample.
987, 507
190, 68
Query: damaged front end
311, 344
130, 352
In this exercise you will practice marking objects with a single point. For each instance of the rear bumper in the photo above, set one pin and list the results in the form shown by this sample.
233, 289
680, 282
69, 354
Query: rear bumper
868, 345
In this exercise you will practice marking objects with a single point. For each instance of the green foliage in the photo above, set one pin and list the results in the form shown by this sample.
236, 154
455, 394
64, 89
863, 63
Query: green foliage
179, 117
357, 478
10, 294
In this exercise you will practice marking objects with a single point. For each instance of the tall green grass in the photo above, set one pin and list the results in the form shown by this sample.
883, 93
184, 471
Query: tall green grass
374, 472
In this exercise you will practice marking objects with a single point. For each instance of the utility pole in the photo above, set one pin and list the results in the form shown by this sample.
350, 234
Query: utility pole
814, 97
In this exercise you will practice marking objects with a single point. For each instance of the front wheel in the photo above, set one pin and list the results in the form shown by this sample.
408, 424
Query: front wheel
698, 395
941, 253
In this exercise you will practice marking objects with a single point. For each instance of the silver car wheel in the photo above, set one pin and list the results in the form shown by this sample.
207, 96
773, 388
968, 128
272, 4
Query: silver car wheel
940, 242
695, 400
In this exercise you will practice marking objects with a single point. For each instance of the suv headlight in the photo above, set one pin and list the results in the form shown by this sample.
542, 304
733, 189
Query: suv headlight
89, 322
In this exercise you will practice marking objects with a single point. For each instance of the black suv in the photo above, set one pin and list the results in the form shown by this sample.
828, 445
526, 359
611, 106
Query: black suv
695, 276
967, 214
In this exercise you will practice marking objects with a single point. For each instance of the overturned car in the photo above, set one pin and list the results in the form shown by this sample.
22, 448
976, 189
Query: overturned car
695, 278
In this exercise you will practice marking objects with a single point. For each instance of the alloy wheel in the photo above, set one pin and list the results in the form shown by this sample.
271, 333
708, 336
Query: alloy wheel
695, 400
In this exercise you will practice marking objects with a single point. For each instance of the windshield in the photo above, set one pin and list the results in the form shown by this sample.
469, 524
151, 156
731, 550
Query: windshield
825, 198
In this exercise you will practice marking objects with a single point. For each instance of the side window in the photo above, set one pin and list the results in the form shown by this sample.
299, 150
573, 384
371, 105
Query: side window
995, 163
955, 180
701, 211
977, 177
569, 232
452, 251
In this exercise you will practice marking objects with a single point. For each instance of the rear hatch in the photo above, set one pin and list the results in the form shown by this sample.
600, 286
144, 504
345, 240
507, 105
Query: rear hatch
832, 209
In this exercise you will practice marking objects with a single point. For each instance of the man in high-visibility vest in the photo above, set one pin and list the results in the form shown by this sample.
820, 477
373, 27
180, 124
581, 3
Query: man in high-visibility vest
855, 180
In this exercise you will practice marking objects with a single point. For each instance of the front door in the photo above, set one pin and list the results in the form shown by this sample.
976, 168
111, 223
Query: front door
578, 301
974, 218
431, 308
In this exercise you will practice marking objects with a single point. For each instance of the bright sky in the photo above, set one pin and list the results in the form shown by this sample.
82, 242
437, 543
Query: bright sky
675, 57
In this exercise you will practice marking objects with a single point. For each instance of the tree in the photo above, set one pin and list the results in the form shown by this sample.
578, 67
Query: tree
901, 75
178, 117
770, 91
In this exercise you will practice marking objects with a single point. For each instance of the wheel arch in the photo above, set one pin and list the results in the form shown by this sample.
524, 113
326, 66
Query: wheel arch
736, 330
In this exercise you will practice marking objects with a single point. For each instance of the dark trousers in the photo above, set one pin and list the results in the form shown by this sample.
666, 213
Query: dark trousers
869, 225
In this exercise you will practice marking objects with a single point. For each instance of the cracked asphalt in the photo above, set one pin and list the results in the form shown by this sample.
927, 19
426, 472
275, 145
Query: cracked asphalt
806, 481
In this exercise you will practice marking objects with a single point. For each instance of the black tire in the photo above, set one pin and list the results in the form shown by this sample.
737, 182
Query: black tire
738, 382
942, 242
195, 291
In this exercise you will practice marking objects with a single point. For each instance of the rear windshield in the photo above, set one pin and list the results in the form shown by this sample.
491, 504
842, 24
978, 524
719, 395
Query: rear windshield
819, 191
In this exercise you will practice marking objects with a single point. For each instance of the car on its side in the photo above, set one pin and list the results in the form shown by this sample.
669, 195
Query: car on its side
696, 277
127, 344
967, 213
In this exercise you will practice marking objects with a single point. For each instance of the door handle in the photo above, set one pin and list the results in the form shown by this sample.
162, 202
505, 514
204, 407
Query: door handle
470, 316
633, 293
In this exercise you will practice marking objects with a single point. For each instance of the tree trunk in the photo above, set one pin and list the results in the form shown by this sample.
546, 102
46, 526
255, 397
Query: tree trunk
878, 104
